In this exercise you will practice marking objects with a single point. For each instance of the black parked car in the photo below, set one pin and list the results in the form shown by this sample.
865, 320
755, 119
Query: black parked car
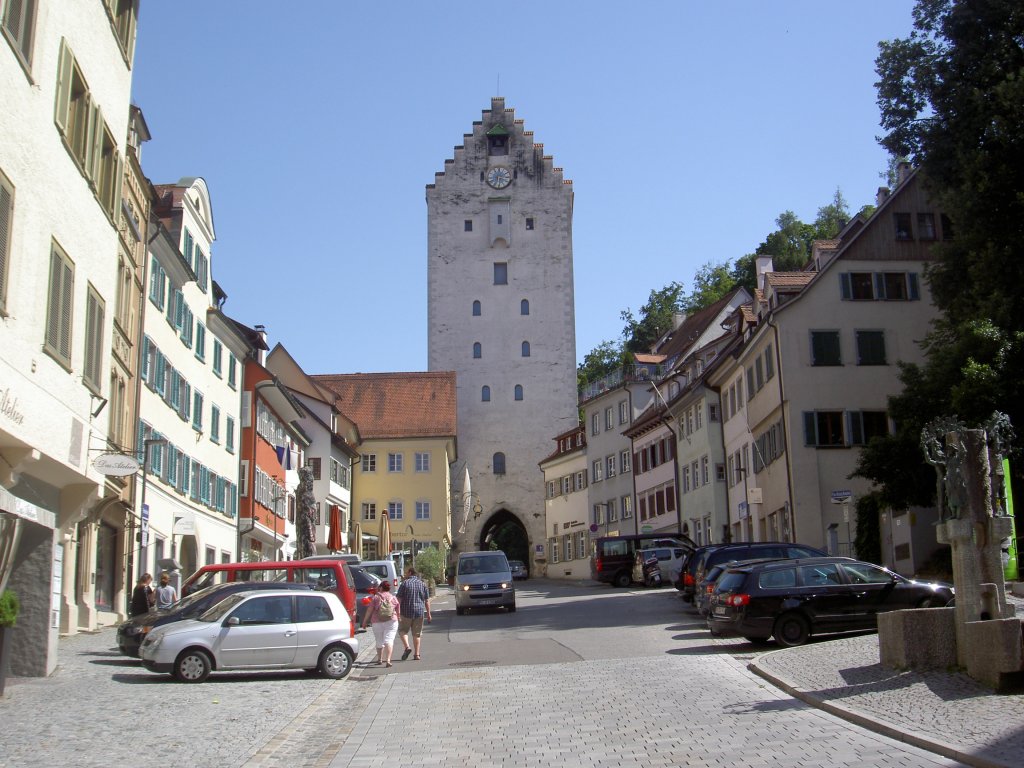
366, 585
131, 633
714, 554
791, 600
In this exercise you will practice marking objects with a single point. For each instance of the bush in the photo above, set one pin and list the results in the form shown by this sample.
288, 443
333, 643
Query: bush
430, 564
9, 608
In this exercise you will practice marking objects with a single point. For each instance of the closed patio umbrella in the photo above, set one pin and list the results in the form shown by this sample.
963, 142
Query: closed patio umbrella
384, 545
334, 537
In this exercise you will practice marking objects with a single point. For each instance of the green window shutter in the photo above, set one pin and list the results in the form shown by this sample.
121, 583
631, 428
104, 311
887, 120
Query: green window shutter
93, 160
845, 286
64, 68
6, 219
810, 437
94, 313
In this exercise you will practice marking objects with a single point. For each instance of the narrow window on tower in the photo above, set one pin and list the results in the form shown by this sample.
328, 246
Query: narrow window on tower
477, 350
500, 273
526, 349
485, 394
467, 225
476, 308
524, 307
529, 222
519, 391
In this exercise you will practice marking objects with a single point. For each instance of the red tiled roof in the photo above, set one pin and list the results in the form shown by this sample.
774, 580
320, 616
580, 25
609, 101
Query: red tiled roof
643, 358
396, 405
781, 279
692, 327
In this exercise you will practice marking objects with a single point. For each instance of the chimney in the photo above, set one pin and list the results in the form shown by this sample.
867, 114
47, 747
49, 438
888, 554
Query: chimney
903, 171
881, 196
261, 354
762, 265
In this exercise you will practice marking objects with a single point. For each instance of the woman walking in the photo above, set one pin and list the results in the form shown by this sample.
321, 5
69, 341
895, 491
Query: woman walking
383, 615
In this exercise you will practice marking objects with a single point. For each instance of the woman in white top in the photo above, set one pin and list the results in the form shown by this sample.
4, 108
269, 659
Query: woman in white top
383, 615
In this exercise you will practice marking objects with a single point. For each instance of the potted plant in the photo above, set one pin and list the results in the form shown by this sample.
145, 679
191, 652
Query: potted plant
9, 607
430, 565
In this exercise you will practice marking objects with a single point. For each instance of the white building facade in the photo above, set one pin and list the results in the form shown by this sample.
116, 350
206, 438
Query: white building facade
566, 509
67, 74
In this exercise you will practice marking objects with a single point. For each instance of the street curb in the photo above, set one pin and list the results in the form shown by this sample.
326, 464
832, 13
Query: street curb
872, 723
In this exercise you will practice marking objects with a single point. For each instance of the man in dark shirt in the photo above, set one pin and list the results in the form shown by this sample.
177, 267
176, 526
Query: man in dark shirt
414, 602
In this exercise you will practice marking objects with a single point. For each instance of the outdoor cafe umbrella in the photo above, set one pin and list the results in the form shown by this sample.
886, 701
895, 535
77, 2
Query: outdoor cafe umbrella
334, 537
384, 546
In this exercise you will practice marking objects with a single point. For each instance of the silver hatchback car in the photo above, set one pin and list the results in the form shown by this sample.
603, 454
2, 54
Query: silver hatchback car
269, 629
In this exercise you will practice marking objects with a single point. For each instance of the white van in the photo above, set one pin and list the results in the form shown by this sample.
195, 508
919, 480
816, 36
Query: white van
382, 569
483, 579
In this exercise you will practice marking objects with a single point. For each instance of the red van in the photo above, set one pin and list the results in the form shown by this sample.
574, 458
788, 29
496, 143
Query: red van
326, 575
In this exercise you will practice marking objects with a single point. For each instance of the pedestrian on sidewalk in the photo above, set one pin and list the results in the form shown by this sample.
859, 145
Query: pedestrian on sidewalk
383, 615
165, 594
414, 597
142, 595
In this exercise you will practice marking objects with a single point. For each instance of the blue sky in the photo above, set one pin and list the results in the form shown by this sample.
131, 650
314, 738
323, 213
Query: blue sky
686, 127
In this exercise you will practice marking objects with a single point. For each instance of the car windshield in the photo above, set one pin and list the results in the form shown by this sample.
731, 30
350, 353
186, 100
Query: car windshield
216, 613
482, 564
730, 581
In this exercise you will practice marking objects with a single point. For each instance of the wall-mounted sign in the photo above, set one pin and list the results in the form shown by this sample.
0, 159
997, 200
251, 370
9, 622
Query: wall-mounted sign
755, 496
115, 464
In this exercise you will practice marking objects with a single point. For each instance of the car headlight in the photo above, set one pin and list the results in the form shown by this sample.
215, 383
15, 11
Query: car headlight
465, 587
152, 642
504, 585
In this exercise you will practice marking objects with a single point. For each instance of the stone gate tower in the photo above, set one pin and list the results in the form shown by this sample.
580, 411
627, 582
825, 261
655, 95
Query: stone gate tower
501, 314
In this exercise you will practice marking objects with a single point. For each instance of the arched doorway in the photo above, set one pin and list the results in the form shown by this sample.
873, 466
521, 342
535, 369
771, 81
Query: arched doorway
504, 531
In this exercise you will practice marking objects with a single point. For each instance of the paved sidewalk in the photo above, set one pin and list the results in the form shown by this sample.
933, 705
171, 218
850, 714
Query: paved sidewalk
948, 713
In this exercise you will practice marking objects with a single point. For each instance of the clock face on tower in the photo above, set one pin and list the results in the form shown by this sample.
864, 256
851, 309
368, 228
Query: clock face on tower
499, 177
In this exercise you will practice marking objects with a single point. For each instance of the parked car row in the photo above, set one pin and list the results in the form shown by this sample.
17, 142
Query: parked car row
789, 592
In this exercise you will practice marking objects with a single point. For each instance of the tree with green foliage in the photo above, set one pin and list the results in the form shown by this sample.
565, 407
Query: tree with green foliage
831, 219
952, 100
430, 564
604, 359
656, 317
711, 283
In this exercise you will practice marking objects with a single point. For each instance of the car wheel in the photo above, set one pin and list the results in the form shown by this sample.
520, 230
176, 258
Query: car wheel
192, 666
459, 611
757, 640
623, 580
791, 629
336, 662
511, 608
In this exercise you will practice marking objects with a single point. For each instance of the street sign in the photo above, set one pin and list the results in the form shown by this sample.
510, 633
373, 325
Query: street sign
755, 496
841, 497
144, 535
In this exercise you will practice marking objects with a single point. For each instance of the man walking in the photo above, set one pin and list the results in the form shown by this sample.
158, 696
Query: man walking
414, 602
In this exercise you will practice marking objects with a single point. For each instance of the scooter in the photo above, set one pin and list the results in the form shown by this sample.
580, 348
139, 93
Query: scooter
652, 572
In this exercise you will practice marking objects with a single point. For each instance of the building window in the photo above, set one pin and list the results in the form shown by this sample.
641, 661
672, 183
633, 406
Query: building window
197, 411
824, 349
498, 463
477, 350
624, 461
529, 223
218, 354
232, 372
500, 273
613, 514
595, 424
623, 412
519, 392
609, 416
610, 462
422, 462
485, 394
597, 471
526, 349
59, 307
229, 436
870, 347
369, 510
422, 510
865, 425
123, 17
476, 308
823, 428
395, 462
201, 341
627, 507
92, 370
524, 307
467, 225
903, 227
6, 223
19, 25
926, 226
396, 510
369, 462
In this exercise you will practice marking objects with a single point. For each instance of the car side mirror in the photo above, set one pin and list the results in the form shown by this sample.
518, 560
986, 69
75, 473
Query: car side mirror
234, 621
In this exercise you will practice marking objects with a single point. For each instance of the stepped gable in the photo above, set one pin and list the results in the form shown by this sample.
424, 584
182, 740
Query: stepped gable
526, 157
396, 405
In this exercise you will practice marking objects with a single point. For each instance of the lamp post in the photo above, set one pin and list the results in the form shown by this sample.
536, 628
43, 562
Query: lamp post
412, 546
143, 509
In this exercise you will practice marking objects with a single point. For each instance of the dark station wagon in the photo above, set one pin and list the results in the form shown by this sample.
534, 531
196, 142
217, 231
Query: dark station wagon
790, 600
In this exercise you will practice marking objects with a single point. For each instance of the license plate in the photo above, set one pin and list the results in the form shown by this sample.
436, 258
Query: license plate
719, 610
484, 602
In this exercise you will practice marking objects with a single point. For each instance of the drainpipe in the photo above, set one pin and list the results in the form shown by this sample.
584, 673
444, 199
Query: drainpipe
790, 506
